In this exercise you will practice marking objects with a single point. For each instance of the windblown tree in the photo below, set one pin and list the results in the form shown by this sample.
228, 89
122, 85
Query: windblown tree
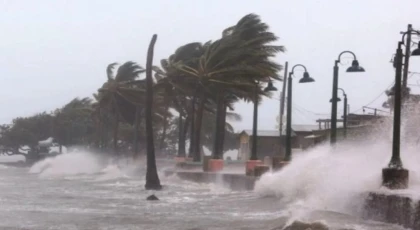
23, 135
234, 66
172, 85
122, 99
120, 96
73, 124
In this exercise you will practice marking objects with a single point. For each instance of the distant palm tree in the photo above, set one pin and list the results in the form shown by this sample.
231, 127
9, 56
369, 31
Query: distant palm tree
171, 83
120, 95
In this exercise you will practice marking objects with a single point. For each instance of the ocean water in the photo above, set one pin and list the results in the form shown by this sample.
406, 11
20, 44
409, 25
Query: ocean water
83, 191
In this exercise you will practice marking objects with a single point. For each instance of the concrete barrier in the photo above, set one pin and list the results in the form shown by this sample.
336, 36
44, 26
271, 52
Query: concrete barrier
259, 170
236, 182
206, 160
394, 209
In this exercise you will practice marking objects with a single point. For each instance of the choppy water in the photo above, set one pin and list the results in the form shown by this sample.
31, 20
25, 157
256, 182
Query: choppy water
79, 191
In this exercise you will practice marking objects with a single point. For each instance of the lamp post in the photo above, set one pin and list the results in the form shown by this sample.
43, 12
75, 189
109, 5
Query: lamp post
306, 79
407, 51
395, 176
283, 93
344, 112
353, 68
253, 160
276, 160
345, 108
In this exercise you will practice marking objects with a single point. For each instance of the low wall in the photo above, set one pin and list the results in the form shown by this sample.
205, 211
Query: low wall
231, 181
394, 209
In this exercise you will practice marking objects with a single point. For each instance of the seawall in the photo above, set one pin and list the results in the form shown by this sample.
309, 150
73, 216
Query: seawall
238, 182
398, 209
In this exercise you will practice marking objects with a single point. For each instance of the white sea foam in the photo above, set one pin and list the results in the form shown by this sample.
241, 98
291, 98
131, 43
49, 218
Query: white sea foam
111, 172
67, 165
336, 179
3, 167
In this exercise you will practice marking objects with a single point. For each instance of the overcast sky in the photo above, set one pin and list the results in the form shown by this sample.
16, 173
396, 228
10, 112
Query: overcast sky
53, 51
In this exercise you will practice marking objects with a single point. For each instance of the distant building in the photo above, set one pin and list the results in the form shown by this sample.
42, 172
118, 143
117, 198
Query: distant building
269, 142
359, 126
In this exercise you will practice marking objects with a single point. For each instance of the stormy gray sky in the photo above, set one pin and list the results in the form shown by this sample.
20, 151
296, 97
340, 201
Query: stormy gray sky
53, 51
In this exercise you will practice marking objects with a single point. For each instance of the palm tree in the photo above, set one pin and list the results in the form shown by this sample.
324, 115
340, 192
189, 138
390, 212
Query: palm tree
233, 65
121, 94
152, 177
173, 84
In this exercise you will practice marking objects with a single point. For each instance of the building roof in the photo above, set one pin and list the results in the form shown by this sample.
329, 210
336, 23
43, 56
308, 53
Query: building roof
312, 136
276, 133
354, 117
304, 128
266, 133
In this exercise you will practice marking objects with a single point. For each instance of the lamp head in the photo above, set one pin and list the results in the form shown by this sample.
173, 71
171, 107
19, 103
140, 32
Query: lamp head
338, 99
270, 87
355, 67
416, 52
306, 78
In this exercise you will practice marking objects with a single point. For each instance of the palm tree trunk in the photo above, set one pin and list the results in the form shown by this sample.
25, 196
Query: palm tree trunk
116, 127
106, 133
152, 177
181, 129
136, 132
99, 130
192, 128
223, 130
98, 134
187, 122
219, 127
197, 128
215, 152
181, 137
165, 127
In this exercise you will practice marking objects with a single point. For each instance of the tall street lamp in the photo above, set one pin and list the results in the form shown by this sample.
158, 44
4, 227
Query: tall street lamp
410, 31
344, 112
276, 160
345, 106
395, 176
305, 79
253, 160
353, 68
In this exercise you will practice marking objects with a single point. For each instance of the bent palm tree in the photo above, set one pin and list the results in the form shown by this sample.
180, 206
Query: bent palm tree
152, 177
232, 66
120, 95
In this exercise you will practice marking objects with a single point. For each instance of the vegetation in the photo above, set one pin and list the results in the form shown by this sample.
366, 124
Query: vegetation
199, 81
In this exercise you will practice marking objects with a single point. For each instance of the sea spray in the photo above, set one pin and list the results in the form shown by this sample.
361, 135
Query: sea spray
3, 167
68, 164
111, 172
335, 179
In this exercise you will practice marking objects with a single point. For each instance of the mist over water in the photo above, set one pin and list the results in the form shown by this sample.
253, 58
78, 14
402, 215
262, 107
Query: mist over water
68, 164
338, 178
85, 190
322, 179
